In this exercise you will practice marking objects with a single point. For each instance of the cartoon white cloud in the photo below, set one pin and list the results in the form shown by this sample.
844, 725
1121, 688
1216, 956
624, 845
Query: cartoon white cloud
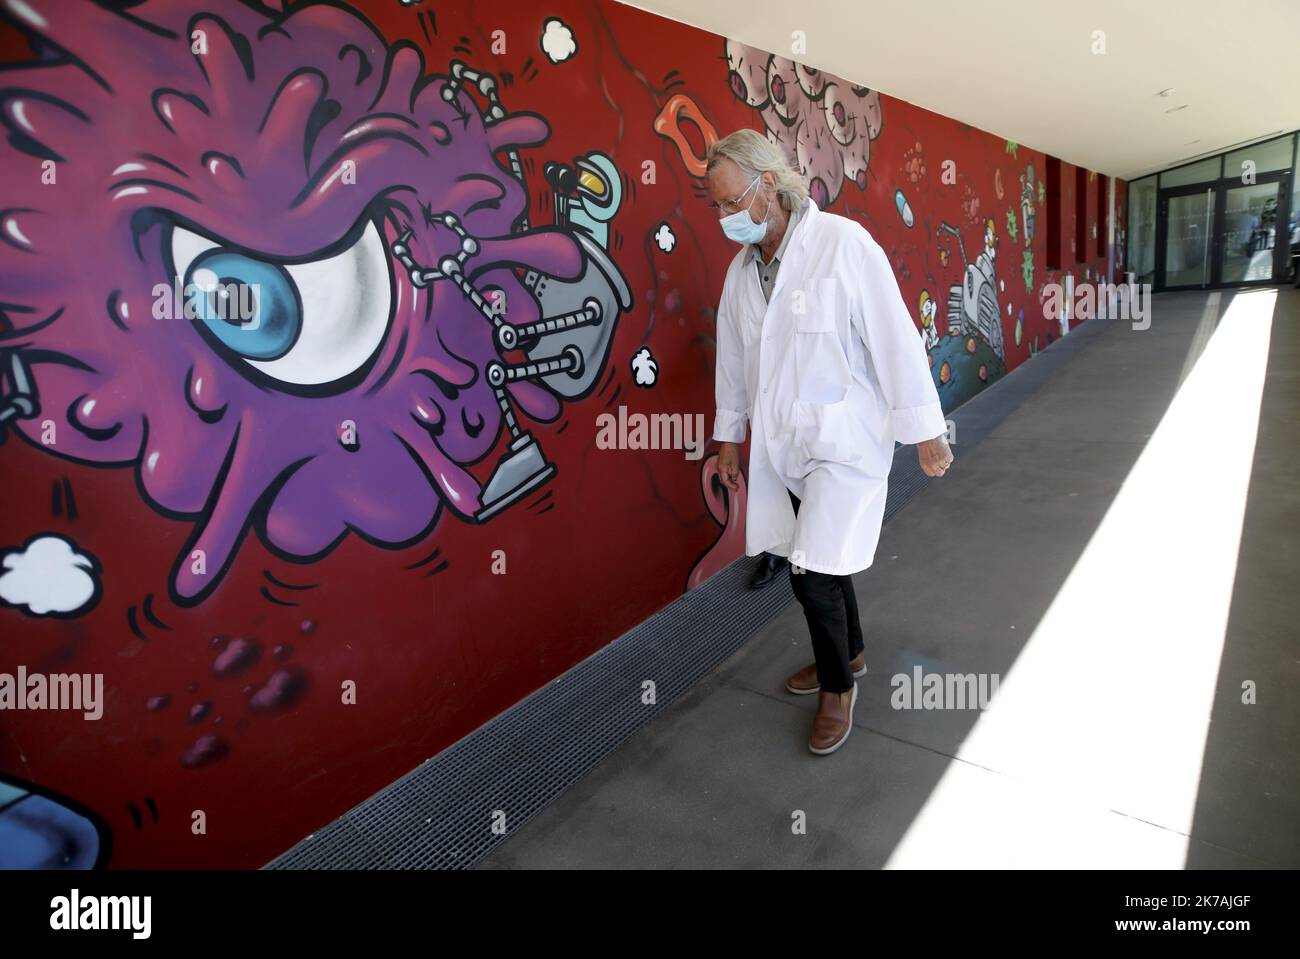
49, 577
664, 238
557, 40
645, 367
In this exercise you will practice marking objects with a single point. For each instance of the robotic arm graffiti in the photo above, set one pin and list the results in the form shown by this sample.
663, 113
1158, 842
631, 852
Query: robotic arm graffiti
365, 203
566, 348
19, 393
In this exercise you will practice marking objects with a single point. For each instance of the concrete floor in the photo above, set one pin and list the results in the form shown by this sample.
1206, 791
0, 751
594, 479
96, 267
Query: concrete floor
1118, 736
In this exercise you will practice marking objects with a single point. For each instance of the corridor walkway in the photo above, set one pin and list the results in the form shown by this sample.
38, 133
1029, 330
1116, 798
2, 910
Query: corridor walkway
1115, 552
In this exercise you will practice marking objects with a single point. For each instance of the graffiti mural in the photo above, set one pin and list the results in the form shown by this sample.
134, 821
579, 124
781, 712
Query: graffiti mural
309, 314
823, 122
353, 393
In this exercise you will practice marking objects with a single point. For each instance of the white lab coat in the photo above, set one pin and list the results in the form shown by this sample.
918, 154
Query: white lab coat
829, 375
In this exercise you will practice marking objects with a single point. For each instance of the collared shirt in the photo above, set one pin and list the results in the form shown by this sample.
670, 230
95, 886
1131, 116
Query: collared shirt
767, 271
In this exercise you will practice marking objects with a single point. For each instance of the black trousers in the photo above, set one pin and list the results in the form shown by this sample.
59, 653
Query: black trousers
832, 613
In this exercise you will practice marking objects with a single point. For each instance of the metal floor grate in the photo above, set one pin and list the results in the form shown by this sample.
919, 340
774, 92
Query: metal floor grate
438, 816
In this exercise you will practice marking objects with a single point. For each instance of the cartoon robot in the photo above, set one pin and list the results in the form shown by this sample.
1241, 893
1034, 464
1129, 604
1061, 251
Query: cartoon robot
973, 304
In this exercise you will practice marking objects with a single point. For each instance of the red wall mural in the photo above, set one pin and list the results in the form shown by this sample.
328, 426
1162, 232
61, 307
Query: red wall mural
309, 538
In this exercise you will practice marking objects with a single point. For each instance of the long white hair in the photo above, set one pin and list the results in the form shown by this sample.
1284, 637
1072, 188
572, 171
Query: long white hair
755, 154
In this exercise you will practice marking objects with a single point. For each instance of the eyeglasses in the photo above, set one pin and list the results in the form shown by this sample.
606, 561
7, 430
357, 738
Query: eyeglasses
733, 206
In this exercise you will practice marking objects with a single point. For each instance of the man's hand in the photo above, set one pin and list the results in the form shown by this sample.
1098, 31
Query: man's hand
935, 456
729, 465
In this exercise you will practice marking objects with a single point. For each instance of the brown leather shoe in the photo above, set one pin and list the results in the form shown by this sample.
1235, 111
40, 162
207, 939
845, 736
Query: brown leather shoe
805, 681
833, 722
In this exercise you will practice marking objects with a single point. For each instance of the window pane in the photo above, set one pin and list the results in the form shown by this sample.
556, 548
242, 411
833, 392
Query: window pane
1142, 229
1187, 252
1267, 156
1194, 173
1293, 221
1249, 232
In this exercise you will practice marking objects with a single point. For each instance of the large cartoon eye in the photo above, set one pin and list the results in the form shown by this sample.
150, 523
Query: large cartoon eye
305, 324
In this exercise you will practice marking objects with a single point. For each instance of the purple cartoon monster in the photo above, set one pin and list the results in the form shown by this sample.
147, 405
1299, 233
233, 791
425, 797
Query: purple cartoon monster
302, 162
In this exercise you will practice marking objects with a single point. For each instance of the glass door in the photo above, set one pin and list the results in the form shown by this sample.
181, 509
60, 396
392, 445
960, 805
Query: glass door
1248, 235
1185, 244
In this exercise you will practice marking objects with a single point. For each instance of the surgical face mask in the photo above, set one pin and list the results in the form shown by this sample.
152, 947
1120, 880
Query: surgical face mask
740, 227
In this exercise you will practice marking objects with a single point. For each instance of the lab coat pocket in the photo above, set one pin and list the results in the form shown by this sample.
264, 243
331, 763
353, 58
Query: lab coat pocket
828, 431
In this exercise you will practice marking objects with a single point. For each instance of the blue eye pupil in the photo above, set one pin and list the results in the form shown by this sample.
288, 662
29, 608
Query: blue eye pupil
250, 306
233, 301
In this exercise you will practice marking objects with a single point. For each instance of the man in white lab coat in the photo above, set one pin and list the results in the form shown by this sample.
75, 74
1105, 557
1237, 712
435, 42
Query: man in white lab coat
817, 350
